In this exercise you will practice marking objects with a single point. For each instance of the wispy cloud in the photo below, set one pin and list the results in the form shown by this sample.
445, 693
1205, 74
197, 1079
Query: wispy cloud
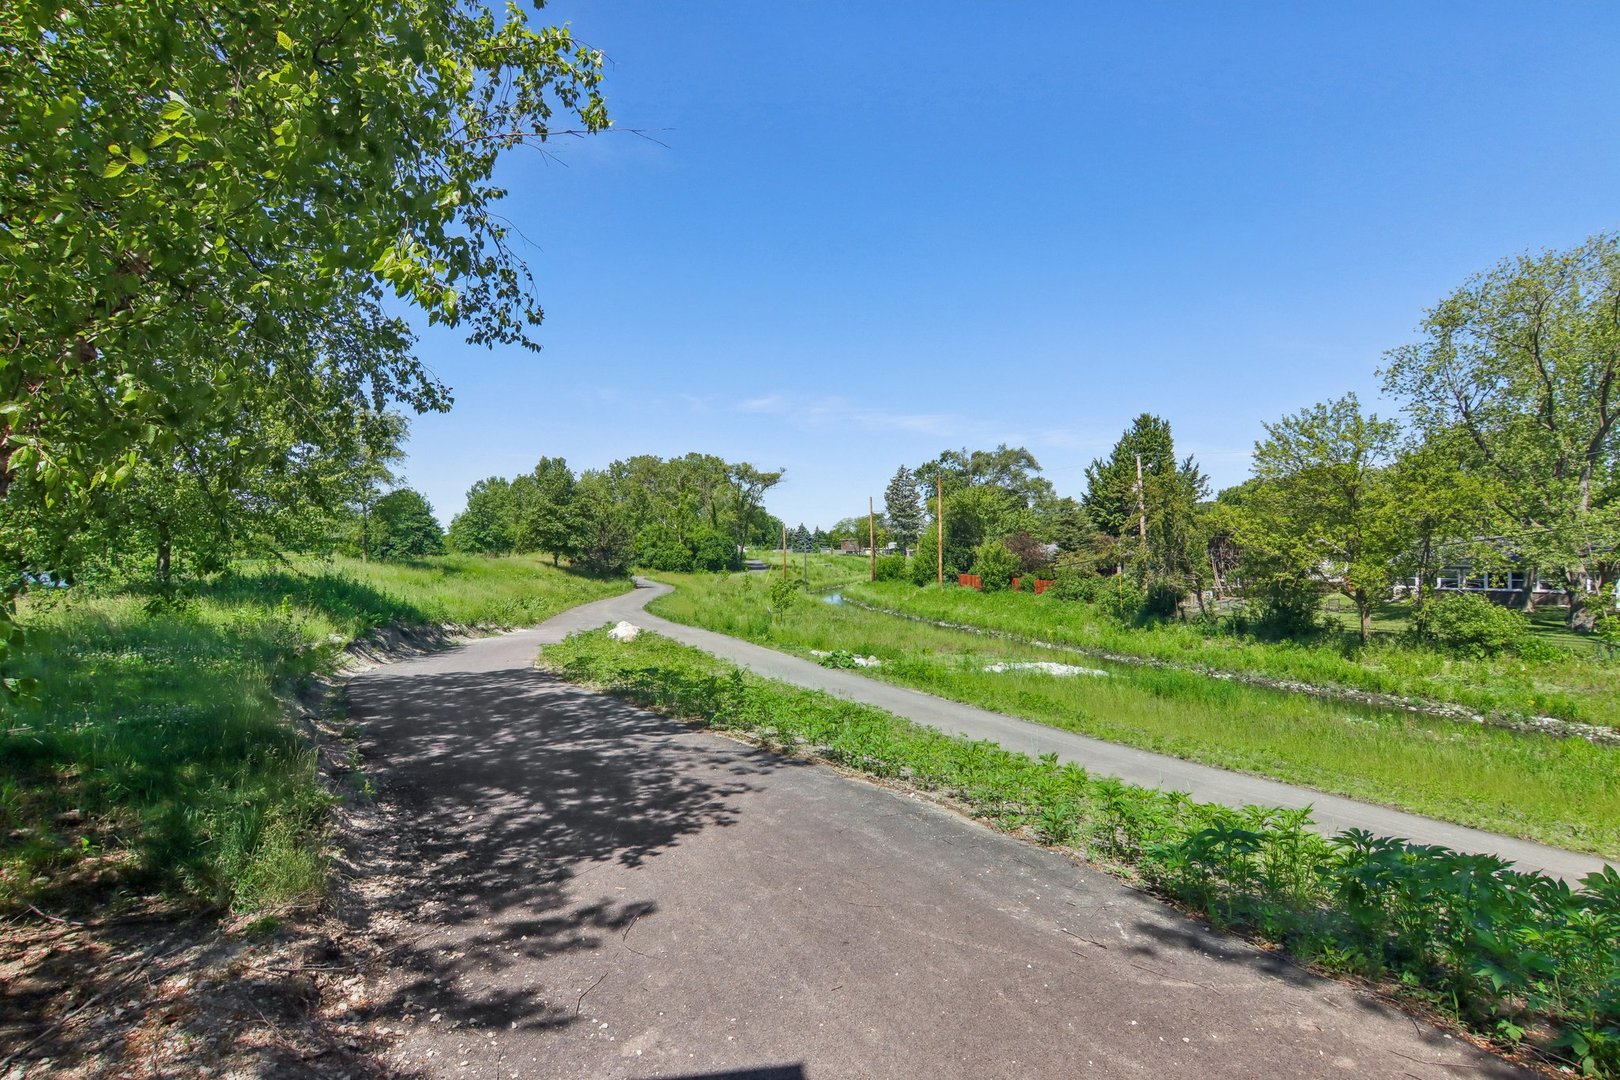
835, 412
770, 403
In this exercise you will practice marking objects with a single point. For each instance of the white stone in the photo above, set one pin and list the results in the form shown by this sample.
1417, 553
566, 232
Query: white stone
625, 632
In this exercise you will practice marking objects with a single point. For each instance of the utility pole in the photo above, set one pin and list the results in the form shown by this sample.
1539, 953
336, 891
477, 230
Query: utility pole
1141, 511
784, 551
939, 520
871, 532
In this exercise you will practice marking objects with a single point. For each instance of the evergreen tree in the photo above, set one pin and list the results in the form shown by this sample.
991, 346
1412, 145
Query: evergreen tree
901, 507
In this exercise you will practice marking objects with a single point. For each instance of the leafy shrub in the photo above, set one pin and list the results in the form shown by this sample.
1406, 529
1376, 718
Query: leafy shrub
925, 563
892, 568
1471, 625
1119, 597
1284, 608
658, 548
1161, 600
994, 564
1075, 577
712, 550
782, 594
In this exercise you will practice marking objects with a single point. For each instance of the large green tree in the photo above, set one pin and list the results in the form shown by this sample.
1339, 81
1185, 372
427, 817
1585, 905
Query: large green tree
1141, 496
191, 192
901, 507
1322, 505
546, 516
488, 526
1524, 362
204, 206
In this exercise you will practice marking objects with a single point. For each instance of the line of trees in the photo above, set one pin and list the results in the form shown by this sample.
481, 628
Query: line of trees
695, 512
1508, 460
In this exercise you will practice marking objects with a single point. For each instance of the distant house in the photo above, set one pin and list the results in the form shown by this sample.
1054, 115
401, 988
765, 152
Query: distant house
851, 547
1506, 587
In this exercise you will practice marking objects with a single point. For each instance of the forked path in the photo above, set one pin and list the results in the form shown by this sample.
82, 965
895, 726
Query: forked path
1332, 813
586, 889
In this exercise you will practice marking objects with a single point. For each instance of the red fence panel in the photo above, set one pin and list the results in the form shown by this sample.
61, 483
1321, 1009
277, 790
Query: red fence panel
1042, 584
970, 581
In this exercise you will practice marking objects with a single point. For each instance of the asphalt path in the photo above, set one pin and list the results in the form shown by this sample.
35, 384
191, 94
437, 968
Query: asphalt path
1332, 813
586, 889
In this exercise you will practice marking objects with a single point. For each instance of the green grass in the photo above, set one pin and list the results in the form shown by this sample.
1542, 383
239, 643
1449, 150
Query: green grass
1569, 687
160, 756
1558, 791
1515, 956
1549, 625
825, 571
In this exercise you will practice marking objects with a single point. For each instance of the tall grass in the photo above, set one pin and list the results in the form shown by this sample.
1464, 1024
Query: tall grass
1570, 686
161, 755
1558, 791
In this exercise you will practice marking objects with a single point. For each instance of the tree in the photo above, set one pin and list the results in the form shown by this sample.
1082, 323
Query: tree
1524, 360
800, 538
204, 206
994, 565
1013, 470
605, 544
1323, 503
748, 485
488, 526
378, 451
545, 513
405, 527
901, 507
1143, 497
189, 191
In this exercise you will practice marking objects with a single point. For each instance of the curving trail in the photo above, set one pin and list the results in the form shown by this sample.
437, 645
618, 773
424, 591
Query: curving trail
571, 887
1333, 813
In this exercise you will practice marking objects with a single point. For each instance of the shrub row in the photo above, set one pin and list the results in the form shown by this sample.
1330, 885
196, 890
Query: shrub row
1517, 956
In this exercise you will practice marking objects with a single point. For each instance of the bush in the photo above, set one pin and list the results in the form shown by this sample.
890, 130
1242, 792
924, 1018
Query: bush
658, 548
1283, 608
1162, 599
1075, 578
892, 568
782, 594
1119, 597
925, 563
1471, 625
712, 550
994, 564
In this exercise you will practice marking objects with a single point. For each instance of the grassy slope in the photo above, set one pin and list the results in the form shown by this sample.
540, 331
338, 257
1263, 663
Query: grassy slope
1559, 791
160, 755
1576, 687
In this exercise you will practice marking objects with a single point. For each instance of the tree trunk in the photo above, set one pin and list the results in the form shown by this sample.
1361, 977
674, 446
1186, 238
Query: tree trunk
165, 555
1582, 619
1364, 609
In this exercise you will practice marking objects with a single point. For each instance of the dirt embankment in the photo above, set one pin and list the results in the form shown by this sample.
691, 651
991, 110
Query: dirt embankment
107, 985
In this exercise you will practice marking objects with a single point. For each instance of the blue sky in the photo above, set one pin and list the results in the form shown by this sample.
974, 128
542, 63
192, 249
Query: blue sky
875, 231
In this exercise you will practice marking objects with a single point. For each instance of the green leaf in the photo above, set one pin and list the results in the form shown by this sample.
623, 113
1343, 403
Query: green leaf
114, 168
283, 40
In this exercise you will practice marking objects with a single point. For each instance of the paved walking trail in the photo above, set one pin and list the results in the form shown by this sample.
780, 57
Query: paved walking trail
595, 891
1333, 814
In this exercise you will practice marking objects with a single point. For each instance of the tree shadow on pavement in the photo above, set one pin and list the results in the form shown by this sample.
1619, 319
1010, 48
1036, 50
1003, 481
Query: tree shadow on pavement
501, 792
